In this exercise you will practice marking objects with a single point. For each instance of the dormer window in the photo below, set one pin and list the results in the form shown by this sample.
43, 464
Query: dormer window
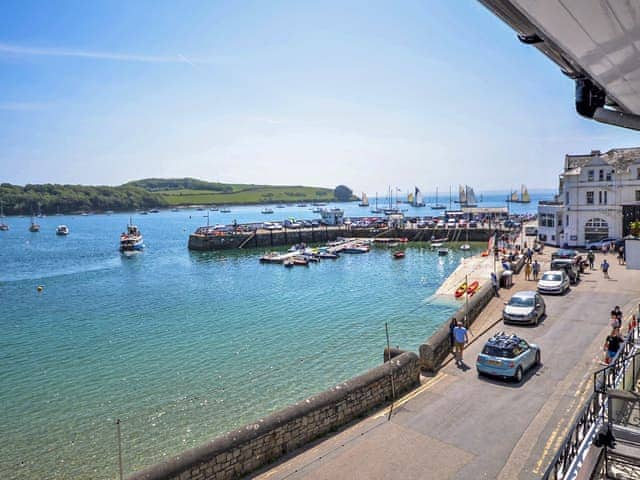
609, 173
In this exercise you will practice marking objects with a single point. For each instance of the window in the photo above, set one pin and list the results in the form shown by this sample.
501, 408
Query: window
609, 176
566, 198
590, 198
596, 229
605, 197
600, 196
638, 174
637, 195
601, 175
546, 220
567, 222
559, 220
590, 174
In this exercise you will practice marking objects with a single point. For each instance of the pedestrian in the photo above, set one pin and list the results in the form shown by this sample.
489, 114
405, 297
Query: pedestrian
612, 345
536, 269
605, 268
496, 287
452, 325
527, 271
460, 340
592, 258
605, 248
616, 321
621, 255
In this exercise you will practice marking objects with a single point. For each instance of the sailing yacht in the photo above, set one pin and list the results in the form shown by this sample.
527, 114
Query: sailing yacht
417, 198
438, 206
523, 198
3, 226
376, 210
365, 200
466, 196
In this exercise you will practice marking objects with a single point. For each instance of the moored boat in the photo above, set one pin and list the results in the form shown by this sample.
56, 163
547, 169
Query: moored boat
131, 240
300, 261
442, 251
34, 227
266, 211
62, 230
3, 226
398, 255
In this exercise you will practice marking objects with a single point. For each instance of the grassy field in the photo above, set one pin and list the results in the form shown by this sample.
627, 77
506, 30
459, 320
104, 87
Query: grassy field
247, 194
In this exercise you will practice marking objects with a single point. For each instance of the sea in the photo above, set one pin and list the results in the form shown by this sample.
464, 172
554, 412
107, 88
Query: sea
178, 346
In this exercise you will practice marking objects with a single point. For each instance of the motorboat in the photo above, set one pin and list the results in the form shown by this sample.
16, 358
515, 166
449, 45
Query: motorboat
280, 206
465, 247
62, 230
131, 240
328, 255
300, 261
443, 251
355, 249
225, 210
4, 227
398, 255
34, 227
267, 211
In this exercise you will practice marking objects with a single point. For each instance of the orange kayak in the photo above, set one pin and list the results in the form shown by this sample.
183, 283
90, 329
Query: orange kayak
460, 290
471, 289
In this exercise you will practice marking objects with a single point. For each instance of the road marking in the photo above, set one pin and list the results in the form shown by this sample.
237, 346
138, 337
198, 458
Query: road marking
422, 388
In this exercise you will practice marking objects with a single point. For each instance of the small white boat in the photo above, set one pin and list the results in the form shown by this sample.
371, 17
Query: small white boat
131, 240
225, 210
267, 211
62, 230
465, 247
443, 251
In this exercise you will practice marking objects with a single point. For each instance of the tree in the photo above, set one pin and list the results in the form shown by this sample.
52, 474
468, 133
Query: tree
343, 193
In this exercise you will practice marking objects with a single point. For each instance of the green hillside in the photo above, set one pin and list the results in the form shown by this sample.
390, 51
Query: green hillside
149, 193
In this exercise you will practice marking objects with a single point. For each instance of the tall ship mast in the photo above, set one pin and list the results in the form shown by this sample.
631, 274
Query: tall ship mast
438, 206
365, 200
466, 196
417, 198
523, 198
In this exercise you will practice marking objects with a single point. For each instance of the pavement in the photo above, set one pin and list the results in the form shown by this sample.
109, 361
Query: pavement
457, 425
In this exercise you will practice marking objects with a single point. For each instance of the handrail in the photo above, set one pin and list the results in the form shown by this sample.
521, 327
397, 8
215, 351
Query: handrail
603, 379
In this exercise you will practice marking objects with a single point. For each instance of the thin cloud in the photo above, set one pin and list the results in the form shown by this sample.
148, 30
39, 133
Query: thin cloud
95, 55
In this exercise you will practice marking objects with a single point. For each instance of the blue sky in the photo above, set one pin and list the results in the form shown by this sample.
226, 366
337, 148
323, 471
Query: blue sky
368, 94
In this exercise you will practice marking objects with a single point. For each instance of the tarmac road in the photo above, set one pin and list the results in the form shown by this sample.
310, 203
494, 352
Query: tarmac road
461, 426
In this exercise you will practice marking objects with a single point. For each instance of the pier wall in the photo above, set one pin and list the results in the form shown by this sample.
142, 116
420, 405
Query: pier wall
436, 348
244, 450
287, 237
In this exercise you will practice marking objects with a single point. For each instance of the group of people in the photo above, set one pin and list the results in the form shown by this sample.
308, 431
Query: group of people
615, 339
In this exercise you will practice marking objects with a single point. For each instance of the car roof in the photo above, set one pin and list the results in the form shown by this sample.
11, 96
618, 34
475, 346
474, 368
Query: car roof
553, 271
503, 340
525, 294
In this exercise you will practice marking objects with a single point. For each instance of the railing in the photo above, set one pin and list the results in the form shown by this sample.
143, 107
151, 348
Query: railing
603, 380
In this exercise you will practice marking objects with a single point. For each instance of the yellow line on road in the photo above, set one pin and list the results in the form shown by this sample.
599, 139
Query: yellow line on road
422, 388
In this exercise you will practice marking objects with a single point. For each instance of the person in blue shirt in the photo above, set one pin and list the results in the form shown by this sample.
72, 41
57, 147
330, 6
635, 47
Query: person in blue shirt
460, 339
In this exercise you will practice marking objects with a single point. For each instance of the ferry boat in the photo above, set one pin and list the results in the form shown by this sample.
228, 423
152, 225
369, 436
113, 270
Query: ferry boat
62, 230
267, 211
131, 240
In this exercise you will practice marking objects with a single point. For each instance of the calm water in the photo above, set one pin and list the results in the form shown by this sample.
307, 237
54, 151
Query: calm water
180, 346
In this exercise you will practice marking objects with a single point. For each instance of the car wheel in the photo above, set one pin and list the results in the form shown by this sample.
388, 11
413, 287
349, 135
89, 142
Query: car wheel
537, 362
518, 376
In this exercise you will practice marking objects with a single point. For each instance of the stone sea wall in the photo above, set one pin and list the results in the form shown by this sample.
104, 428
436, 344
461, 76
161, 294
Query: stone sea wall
244, 450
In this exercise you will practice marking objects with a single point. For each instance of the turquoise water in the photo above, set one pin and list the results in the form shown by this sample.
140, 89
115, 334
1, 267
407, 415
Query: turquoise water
180, 346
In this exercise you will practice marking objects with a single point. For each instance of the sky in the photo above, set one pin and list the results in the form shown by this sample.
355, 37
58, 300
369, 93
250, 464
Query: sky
363, 93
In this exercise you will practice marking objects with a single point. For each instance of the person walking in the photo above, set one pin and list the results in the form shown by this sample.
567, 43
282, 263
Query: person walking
621, 255
527, 271
496, 287
460, 339
616, 320
605, 268
612, 345
592, 258
535, 269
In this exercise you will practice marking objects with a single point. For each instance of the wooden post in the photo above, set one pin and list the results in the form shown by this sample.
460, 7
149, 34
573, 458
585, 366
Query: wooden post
393, 386
119, 437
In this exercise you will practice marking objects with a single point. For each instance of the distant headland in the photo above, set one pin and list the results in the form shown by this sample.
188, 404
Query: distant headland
155, 193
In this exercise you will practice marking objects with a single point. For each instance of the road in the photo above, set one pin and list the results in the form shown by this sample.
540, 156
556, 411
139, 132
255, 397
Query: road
460, 426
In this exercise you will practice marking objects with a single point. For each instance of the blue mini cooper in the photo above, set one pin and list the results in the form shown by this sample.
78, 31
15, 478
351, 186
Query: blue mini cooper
507, 356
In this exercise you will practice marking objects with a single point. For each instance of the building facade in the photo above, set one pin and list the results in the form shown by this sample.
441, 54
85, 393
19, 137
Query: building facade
593, 191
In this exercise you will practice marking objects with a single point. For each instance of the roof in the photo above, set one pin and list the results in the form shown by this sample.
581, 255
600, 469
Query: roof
619, 158
525, 294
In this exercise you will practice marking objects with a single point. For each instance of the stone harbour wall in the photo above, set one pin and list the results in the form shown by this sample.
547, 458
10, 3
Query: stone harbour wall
244, 450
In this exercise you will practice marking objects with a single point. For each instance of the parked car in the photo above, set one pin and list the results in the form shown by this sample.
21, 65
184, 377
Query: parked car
531, 230
571, 266
554, 281
597, 245
507, 356
524, 307
564, 253
272, 226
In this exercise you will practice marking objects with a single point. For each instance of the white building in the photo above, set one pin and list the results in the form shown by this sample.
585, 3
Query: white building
596, 191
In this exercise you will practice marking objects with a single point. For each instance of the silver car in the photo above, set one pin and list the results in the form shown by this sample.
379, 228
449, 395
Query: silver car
524, 307
554, 281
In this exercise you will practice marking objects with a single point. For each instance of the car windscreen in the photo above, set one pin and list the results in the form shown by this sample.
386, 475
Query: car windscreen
521, 302
495, 351
552, 277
